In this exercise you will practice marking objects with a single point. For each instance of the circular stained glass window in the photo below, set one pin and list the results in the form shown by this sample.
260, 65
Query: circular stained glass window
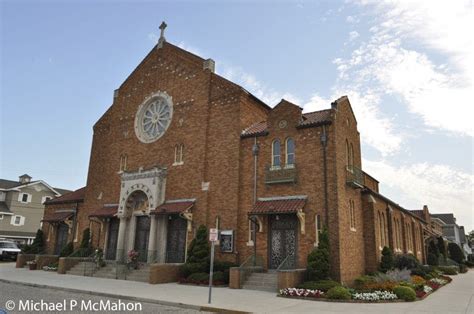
153, 117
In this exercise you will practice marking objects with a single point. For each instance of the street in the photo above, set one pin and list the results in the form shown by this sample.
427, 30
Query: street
16, 292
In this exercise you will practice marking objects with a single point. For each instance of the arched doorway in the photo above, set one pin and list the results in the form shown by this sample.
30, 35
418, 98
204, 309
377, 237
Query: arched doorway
137, 204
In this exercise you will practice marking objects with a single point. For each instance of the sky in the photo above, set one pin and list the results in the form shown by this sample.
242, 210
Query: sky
406, 66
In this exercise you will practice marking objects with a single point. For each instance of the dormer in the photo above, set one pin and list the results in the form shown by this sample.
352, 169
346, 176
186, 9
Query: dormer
25, 179
283, 115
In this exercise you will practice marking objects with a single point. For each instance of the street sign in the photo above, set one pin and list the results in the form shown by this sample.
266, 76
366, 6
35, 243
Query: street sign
213, 235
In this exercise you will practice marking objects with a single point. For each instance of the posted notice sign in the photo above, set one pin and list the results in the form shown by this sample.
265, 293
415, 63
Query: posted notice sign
213, 235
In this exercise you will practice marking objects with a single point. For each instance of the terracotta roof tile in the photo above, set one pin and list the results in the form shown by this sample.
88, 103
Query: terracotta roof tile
106, 211
259, 128
419, 213
279, 205
76, 196
58, 216
173, 207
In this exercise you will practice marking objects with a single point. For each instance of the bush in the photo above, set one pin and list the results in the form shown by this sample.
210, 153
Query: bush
37, 246
378, 286
318, 259
442, 248
338, 293
363, 280
198, 277
469, 264
422, 271
398, 275
190, 268
67, 250
432, 259
407, 261
405, 293
456, 253
449, 270
217, 277
386, 262
86, 239
462, 268
198, 254
224, 266
322, 285
417, 280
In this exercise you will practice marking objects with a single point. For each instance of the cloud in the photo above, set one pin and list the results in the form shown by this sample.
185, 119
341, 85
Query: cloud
353, 35
267, 94
441, 187
438, 93
376, 130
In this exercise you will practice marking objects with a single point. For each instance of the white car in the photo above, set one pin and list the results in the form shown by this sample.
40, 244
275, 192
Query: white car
8, 250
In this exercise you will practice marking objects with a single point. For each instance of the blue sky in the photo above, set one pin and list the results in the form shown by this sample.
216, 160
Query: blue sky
405, 65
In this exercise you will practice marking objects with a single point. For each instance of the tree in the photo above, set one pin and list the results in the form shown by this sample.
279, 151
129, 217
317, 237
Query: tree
456, 253
386, 262
442, 248
198, 254
318, 260
37, 246
433, 254
86, 237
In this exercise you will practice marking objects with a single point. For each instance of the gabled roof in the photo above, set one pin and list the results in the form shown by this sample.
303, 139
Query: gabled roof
7, 185
105, 211
72, 197
446, 218
419, 213
310, 119
58, 216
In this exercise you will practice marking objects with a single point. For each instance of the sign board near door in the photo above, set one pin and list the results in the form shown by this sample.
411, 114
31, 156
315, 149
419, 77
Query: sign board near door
213, 235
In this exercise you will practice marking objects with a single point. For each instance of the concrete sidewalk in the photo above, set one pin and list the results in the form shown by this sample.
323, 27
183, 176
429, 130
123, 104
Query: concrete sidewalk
456, 297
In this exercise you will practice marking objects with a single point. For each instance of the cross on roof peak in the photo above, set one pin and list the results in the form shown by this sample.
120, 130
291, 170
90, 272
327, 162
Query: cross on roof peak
162, 28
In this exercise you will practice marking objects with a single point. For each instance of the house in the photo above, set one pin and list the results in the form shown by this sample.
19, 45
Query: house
181, 147
22, 207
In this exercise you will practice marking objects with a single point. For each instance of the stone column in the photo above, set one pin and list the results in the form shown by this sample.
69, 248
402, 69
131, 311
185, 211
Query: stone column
152, 240
121, 239
162, 230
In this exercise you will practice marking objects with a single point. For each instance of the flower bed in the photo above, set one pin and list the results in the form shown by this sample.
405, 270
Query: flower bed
374, 296
301, 292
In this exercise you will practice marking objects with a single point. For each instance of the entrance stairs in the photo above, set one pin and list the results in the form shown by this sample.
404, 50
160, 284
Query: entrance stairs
111, 271
262, 281
82, 269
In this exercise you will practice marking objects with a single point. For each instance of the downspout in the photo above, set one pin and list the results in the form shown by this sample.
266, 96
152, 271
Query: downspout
255, 150
324, 140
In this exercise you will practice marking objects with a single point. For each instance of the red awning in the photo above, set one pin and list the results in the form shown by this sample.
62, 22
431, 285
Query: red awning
173, 207
58, 216
278, 205
104, 212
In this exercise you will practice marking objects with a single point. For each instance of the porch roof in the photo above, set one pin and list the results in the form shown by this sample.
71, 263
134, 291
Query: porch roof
278, 205
58, 216
174, 207
105, 211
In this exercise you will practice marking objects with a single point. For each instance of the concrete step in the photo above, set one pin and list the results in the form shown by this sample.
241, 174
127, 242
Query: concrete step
262, 281
260, 288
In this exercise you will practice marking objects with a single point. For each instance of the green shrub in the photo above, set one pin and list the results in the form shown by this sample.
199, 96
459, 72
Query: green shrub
323, 285
224, 266
318, 259
190, 268
198, 277
456, 253
422, 271
432, 259
338, 293
462, 268
361, 281
218, 276
86, 239
469, 264
37, 246
442, 248
407, 261
405, 293
386, 262
67, 250
449, 270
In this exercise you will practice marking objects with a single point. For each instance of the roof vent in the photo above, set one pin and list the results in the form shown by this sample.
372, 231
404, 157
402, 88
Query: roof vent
25, 179
210, 65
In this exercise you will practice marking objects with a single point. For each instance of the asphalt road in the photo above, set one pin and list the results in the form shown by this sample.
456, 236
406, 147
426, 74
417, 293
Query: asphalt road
12, 294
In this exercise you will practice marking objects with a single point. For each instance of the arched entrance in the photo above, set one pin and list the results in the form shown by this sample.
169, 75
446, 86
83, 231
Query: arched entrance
137, 204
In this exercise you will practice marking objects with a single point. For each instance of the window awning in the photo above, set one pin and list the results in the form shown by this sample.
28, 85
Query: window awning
58, 216
278, 205
174, 207
105, 212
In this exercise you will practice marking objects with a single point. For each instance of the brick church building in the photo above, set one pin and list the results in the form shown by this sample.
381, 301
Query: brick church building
181, 147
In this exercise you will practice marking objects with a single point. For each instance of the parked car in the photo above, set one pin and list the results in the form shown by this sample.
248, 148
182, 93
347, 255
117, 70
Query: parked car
8, 250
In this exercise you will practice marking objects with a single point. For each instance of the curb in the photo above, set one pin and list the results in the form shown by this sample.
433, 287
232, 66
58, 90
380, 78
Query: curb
124, 297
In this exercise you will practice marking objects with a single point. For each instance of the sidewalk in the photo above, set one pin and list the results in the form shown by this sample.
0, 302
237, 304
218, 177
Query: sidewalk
457, 297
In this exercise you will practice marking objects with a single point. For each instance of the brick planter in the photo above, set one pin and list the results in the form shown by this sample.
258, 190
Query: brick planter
23, 258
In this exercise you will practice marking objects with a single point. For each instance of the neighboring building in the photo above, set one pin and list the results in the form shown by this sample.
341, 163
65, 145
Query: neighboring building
451, 230
182, 147
60, 223
21, 207
464, 241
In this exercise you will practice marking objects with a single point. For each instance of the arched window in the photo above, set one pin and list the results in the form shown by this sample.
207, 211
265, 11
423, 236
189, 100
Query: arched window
380, 230
276, 157
123, 162
290, 152
383, 230
348, 155
351, 161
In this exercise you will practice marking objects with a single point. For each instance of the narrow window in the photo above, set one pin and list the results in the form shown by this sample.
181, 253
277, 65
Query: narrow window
276, 161
123, 162
176, 154
17, 220
348, 155
290, 152
181, 149
351, 156
317, 224
24, 198
352, 215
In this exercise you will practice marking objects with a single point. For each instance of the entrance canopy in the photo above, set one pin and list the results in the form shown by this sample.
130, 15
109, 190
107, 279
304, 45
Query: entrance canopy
279, 205
105, 212
174, 207
58, 216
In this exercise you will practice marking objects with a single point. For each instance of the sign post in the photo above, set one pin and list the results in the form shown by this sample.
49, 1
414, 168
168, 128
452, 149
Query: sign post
213, 237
